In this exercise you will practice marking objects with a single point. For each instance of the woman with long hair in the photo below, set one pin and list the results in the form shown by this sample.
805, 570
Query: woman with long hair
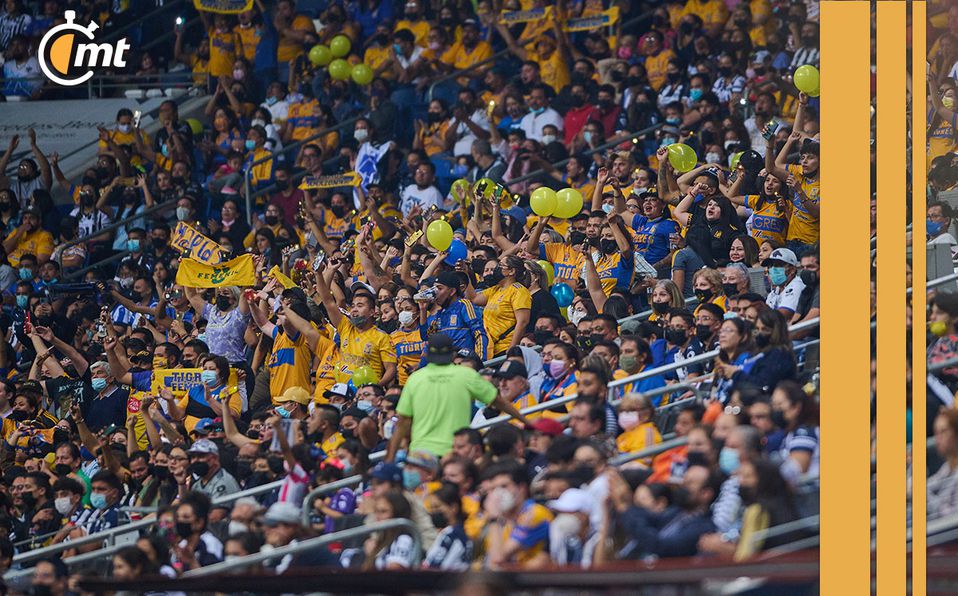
506, 304
543, 302
768, 502
770, 209
559, 362
716, 224
637, 419
734, 339
452, 549
942, 486
391, 549
743, 249
707, 284
796, 412
665, 296
772, 359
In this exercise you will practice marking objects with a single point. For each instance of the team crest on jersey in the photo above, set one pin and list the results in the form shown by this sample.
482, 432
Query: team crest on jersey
453, 320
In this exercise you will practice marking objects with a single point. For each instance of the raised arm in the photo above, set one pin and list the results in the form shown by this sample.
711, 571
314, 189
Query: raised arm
682, 212
232, 433
118, 369
501, 241
332, 308
79, 362
45, 176
532, 244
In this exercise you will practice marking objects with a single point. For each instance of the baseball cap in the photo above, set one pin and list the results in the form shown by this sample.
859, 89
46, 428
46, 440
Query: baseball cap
387, 473
282, 512
546, 426
440, 350
516, 213
424, 460
205, 426
338, 390
296, 394
204, 446
360, 286
510, 369
781, 255
573, 500
448, 279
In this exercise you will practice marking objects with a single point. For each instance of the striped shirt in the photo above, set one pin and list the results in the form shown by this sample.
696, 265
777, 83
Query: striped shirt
725, 88
11, 26
804, 56
451, 551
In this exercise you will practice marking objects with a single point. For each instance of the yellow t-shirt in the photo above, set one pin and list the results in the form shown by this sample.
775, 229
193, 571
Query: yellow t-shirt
942, 139
289, 363
803, 226
409, 349
641, 437
712, 12
249, 40
288, 48
327, 354
530, 530
201, 70
38, 242
420, 30
566, 260
223, 48
370, 348
262, 172
463, 58
499, 314
331, 444
656, 67
375, 57
554, 70
301, 120
432, 137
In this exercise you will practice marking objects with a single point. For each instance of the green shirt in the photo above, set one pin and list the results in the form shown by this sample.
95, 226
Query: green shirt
438, 399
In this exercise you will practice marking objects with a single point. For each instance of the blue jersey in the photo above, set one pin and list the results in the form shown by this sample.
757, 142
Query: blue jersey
461, 321
651, 239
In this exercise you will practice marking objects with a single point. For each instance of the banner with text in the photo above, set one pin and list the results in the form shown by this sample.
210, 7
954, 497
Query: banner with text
334, 181
238, 272
203, 249
180, 380
223, 6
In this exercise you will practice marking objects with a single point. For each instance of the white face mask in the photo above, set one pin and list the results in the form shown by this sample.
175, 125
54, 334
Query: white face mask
124, 127
258, 122
546, 139
565, 525
405, 317
507, 500
575, 315
236, 528
63, 505
361, 134
182, 213
730, 144
713, 158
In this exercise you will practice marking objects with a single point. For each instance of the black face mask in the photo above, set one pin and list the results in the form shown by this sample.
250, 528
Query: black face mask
748, 494
244, 469
730, 289
271, 220
633, 81
703, 295
184, 529
703, 332
90, 181
577, 101
282, 184
617, 76
584, 342
434, 117
478, 265
681, 498
223, 303
542, 336
161, 473
809, 278
576, 238
606, 104
778, 419
608, 247
62, 469
257, 479
495, 277
18, 416
178, 181
660, 308
348, 433
763, 339
676, 337
199, 469
725, 71
87, 200
438, 520
338, 210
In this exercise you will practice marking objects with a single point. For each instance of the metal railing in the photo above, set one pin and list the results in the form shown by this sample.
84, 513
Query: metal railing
315, 543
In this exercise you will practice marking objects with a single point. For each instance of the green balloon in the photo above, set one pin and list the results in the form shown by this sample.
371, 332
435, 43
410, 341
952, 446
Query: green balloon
320, 55
340, 46
339, 69
362, 74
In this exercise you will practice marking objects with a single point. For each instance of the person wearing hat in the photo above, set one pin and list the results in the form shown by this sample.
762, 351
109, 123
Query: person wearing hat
570, 534
456, 316
283, 527
361, 342
470, 50
512, 379
293, 404
29, 238
652, 229
787, 285
429, 414
803, 182
209, 477
420, 474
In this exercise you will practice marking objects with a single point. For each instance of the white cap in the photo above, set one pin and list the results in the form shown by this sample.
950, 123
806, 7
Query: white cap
573, 500
782, 255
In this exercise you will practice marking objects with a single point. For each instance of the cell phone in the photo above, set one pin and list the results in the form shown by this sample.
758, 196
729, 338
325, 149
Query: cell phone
127, 181
769, 131
413, 238
319, 260
136, 118
180, 21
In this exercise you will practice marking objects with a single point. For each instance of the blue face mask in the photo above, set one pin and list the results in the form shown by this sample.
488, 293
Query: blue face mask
666, 141
728, 460
675, 120
347, 467
165, 151
932, 227
133, 245
537, 111
777, 276
98, 500
283, 412
607, 208
271, 101
98, 384
208, 377
411, 479
52, 281
201, 337
26, 273
587, 136
250, 145
695, 94
23, 301
459, 170
397, 48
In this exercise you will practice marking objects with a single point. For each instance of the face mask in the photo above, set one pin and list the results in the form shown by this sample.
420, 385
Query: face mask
546, 139
628, 420
208, 377
660, 307
271, 220
133, 245
271, 101
557, 368
223, 303
18, 416
184, 529
199, 469
282, 184
202, 338
26, 273
63, 505
161, 473
98, 384
459, 170
587, 137
948, 102
250, 144
728, 460
62, 469
542, 335
23, 301
778, 419
674, 120
575, 316
507, 500
628, 363
495, 277
358, 321
763, 339
777, 276
938, 328
182, 213
283, 413
666, 141
584, 343
607, 208
608, 247
405, 318
729, 145
98, 500
695, 94
703, 332
165, 150
713, 158
730, 289
703, 295
361, 134
236, 528
124, 128
411, 479
932, 227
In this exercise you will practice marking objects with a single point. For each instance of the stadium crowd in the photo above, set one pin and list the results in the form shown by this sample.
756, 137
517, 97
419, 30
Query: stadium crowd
357, 337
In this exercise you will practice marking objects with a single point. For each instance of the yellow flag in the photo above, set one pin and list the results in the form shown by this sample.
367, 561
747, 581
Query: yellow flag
223, 6
203, 249
237, 272
333, 181
281, 277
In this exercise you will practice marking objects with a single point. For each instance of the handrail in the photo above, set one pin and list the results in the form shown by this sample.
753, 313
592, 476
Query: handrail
940, 281
943, 364
313, 543
641, 316
624, 458
811, 521
325, 489
119, 224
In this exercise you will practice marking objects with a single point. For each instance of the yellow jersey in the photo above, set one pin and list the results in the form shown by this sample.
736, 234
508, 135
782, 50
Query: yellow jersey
301, 120
261, 173
38, 242
641, 437
942, 139
374, 57
289, 48
249, 40
712, 12
330, 445
554, 70
803, 227
499, 314
371, 348
530, 530
327, 354
409, 347
656, 67
420, 30
223, 46
289, 363
566, 260
769, 222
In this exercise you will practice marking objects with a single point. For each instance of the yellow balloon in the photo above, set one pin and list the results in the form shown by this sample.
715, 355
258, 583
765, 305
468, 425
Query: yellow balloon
735, 157
806, 79
569, 203
439, 234
543, 201
682, 157
550, 270
484, 187
460, 191
364, 375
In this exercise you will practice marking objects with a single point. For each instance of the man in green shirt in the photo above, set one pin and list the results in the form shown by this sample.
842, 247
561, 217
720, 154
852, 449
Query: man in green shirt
437, 401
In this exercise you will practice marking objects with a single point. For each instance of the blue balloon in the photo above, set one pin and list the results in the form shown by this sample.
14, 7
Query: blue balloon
457, 252
563, 294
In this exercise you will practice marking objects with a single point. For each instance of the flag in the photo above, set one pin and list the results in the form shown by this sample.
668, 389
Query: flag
237, 272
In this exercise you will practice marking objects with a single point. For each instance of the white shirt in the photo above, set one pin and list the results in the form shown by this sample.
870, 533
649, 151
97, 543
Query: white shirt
413, 196
532, 124
279, 111
464, 136
787, 297
755, 134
